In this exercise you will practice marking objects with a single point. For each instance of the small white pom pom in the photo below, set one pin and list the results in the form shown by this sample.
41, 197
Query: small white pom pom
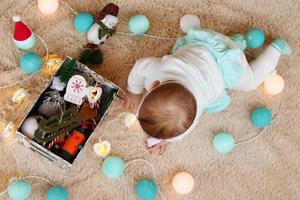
16, 18
189, 21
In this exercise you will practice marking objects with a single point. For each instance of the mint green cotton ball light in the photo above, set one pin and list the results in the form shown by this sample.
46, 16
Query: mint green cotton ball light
57, 193
138, 24
83, 22
146, 189
255, 38
19, 190
223, 142
261, 117
113, 167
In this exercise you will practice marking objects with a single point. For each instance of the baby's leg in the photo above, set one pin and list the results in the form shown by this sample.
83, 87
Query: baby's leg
256, 72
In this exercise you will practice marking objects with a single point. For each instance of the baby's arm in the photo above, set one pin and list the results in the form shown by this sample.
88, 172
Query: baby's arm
136, 84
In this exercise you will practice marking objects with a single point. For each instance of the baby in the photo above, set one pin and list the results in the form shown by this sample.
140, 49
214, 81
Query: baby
193, 80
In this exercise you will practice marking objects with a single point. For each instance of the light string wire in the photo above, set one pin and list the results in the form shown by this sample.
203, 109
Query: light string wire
41, 39
31, 75
118, 32
153, 172
46, 58
219, 155
28, 178
112, 121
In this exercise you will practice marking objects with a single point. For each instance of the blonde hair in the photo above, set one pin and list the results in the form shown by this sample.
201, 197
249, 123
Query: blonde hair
167, 111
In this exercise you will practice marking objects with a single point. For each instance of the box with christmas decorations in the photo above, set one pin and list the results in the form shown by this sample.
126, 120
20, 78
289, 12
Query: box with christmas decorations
66, 113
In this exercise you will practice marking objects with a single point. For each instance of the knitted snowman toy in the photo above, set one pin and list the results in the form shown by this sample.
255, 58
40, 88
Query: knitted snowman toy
105, 26
99, 32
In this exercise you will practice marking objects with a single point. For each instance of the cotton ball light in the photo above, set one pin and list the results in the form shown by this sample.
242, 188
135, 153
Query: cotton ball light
29, 126
240, 40
57, 193
30, 62
19, 95
83, 22
146, 189
138, 24
130, 119
48, 6
255, 38
274, 84
113, 167
19, 190
261, 117
9, 129
223, 142
183, 183
189, 21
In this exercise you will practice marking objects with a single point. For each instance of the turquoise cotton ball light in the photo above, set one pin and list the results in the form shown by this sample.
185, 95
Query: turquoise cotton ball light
57, 193
223, 142
138, 24
19, 190
261, 117
146, 189
30, 62
83, 22
255, 38
113, 167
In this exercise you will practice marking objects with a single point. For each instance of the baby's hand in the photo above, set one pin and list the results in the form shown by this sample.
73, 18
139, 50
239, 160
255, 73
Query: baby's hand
132, 101
158, 148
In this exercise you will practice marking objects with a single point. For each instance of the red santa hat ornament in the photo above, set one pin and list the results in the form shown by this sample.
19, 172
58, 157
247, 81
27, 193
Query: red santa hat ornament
23, 37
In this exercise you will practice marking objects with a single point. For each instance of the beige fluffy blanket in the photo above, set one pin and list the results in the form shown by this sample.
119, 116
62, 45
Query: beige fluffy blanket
267, 168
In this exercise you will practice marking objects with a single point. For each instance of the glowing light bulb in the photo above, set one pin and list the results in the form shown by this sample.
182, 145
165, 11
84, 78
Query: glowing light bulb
19, 95
102, 148
130, 119
274, 84
183, 183
47, 6
9, 130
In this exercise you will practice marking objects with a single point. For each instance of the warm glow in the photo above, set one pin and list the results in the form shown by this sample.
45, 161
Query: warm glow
274, 84
130, 119
48, 6
19, 95
102, 148
183, 183
9, 130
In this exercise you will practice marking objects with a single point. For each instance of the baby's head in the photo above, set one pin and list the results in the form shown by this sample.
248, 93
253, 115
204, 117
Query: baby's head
167, 111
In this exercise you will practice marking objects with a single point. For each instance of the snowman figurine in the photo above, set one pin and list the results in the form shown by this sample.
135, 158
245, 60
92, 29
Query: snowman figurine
105, 25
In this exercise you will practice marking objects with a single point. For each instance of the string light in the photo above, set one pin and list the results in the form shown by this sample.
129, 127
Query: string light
274, 84
19, 95
9, 130
48, 6
130, 119
183, 183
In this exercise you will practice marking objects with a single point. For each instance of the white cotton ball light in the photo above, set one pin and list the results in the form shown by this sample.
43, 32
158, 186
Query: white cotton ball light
183, 183
29, 126
48, 6
274, 84
189, 21
130, 119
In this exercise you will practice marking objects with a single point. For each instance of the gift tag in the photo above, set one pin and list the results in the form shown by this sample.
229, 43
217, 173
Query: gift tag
76, 90
102, 148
